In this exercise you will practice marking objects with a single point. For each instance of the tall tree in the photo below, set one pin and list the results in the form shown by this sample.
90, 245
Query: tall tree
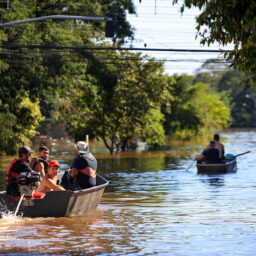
128, 107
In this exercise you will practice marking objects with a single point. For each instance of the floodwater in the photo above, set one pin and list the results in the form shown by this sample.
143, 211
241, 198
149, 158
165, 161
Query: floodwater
153, 206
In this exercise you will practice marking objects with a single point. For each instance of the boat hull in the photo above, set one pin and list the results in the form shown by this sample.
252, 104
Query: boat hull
228, 166
57, 203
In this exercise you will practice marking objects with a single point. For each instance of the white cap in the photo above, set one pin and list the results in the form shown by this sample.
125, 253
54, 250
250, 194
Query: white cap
81, 147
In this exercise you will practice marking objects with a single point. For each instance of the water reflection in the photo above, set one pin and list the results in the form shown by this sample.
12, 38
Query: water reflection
214, 181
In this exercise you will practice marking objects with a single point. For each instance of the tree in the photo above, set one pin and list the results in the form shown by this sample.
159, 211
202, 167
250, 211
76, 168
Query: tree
230, 84
194, 110
122, 101
213, 112
229, 22
180, 114
41, 75
242, 98
18, 123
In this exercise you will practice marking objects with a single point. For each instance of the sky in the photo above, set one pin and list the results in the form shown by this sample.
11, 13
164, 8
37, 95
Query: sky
159, 24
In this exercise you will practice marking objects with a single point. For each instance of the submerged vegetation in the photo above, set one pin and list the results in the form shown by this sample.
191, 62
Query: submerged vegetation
115, 96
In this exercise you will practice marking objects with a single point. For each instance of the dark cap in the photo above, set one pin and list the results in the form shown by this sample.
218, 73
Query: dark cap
212, 143
24, 150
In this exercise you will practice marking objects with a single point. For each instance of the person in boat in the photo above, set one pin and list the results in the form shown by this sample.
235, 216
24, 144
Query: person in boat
49, 180
84, 166
16, 167
219, 146
210, 155
40, 163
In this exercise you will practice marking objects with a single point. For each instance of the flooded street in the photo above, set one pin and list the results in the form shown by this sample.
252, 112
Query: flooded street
153, 206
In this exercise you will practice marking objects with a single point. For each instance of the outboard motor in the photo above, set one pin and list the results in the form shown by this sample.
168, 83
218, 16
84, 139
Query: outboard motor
28, 183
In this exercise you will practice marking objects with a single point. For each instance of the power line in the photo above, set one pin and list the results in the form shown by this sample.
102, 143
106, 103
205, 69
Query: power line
121, 60
58, 47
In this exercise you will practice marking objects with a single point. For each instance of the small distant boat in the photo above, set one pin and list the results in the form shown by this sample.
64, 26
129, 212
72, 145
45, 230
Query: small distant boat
228, 166
57, 203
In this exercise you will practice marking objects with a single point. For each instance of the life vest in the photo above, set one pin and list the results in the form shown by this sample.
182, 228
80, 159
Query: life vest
91, 161
37, 160
88, 171
11, 176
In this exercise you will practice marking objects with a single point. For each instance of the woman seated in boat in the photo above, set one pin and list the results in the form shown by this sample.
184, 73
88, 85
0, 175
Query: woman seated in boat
210, 155
49, 180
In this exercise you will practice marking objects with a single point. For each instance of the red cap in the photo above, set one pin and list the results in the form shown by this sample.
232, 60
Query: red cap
54, 163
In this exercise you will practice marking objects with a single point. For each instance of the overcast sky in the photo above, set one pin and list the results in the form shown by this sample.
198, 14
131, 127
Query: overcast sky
159, 24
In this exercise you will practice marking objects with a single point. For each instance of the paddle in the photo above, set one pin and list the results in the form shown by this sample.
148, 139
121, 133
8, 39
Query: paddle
190, 165
242, 154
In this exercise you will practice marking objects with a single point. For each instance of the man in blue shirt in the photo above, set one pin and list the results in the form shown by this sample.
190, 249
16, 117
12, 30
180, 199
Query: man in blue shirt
84, 166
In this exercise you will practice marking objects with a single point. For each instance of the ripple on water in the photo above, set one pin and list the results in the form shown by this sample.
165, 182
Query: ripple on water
153, 207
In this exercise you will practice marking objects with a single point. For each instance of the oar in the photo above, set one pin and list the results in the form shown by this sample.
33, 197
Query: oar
242, 154
190, 165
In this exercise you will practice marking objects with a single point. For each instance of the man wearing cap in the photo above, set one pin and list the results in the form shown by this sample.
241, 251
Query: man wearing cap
49, 180
84, 166
15, 168
210, 155
40, 164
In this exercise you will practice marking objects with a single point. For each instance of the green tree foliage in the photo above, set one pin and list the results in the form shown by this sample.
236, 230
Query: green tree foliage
2, 39
242, 98
212, 111
19, 125
194, 110
129, 107
42, 75
180, 114
153, 132
229, 22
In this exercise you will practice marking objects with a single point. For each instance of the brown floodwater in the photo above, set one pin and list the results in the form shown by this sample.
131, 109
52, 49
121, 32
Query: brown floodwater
152, 206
